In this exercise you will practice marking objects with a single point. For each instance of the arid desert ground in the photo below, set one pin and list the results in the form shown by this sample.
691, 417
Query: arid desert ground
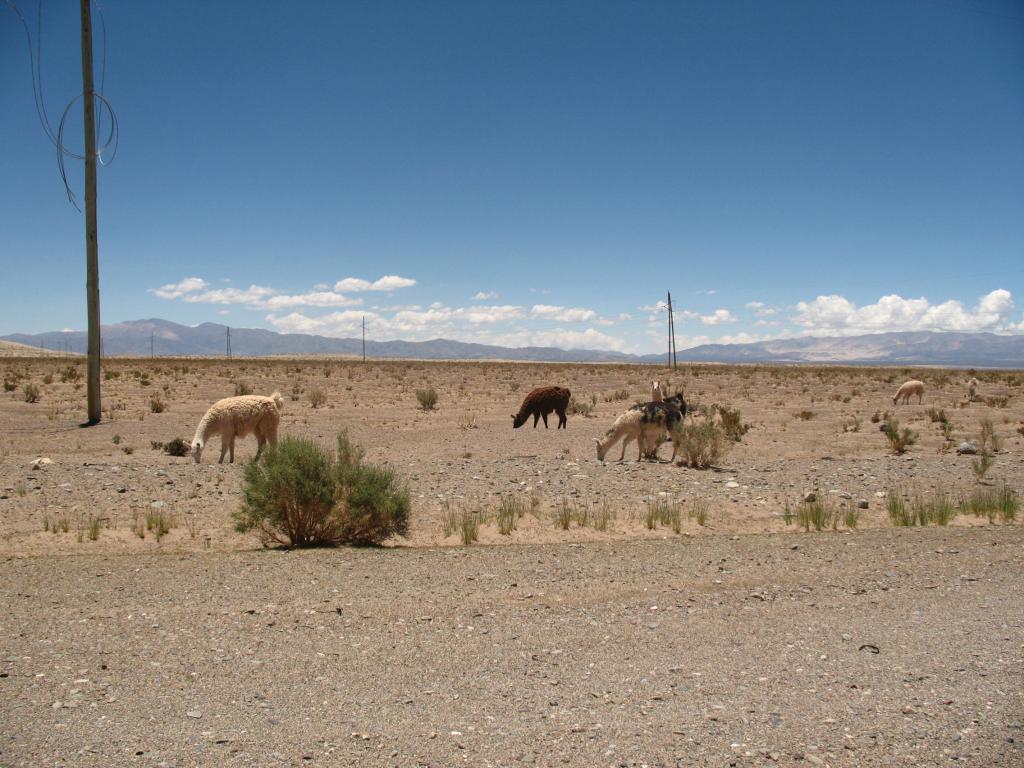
738, 639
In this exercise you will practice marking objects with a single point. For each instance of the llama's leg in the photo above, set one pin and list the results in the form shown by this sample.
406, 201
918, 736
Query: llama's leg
536, 418
261, 440
920, 398
224, 439
545, 415
625, 442
561, 419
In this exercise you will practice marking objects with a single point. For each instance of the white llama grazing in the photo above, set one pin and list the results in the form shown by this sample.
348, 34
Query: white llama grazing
239, 417
909, 388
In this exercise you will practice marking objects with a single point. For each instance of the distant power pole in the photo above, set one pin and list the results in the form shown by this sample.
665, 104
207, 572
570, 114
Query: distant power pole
92, 261
229, 343
671, 334
151, 345
364, 338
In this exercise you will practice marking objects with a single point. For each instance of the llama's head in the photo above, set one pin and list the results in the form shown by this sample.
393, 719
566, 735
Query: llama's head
518, 419
197, 450
895, 398
601, 450
657, 392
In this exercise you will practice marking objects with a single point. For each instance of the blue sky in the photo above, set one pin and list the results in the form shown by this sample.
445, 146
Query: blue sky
529, 172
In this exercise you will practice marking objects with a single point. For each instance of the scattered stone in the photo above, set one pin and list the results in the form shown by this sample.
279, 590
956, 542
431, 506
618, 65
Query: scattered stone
862, 504
810, 497
41, 462
967, 448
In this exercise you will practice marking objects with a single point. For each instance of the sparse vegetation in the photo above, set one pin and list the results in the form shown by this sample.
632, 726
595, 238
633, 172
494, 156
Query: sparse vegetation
156, 403
31, 393
510, 509
1000, 502
243, 388
579, 407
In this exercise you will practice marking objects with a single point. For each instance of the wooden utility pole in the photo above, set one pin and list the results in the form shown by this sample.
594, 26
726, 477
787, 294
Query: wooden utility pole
92, 261
151, 355
229, 343
364, 338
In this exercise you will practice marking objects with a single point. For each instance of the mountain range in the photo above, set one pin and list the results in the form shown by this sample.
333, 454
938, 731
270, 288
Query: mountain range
134, 338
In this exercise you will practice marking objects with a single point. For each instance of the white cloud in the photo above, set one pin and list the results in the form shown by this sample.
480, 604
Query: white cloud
562, 314
312, 299
838, 315
344, 323
761, 309
562, 338
254, 295
177, 290
719, 317
485, 295
386, 283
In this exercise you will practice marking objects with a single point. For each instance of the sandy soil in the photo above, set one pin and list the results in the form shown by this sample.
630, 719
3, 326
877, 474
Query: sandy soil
888, 647
741, 642
465, 455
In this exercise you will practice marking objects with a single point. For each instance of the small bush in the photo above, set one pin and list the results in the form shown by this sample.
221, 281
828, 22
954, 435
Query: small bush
899, 441
469, 527
510, 509
579, 408
805, 415
31, 393
316, 397
177, 447
818, 513
564, 514
661, 511
603, 516
1001, 502
156, 404
71, 373
936, 509
732, 422
427, 398
937, 415
10, 384
981, 464
701, 444
242, 388
301, 496
900, 513
997, 401
617, 395
699, 511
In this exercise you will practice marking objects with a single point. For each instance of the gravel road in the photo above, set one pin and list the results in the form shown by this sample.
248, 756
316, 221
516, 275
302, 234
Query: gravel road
887, 647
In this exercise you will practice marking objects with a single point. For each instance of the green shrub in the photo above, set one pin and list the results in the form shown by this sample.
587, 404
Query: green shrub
301, 496
156, 403
427, 398
701, 444
31, 393
71, 373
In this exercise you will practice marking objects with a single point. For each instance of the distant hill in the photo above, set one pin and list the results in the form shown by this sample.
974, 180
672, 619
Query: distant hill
983, 350
13, 349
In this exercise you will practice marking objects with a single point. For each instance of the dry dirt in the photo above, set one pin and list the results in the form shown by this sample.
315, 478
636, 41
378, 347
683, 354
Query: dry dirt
737, 642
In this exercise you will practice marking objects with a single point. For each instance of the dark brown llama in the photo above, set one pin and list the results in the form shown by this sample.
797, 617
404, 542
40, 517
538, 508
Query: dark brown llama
540, 402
